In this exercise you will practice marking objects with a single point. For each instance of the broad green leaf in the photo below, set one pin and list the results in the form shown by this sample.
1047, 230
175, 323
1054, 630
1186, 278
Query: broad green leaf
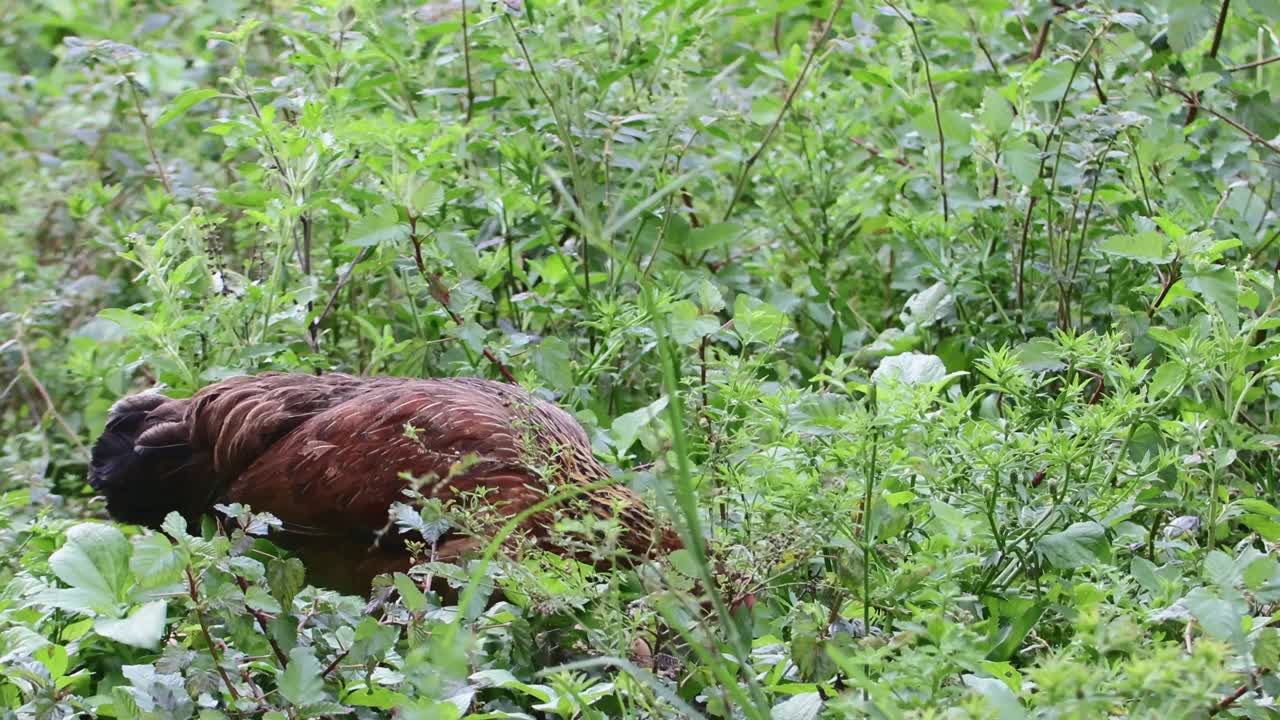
551, 359
285, 578
1220, 619
95, 562
626, 427
1218, 287
301, 683
155, 561
997, 113
688, 324
183, 103
1189, 21
712, 236
1052, 83
757, 321
143, 628
382, 225
1080, 545
1021, 158
1146, 247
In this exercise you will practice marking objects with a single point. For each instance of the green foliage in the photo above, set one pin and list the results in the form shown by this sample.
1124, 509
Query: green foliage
950, 332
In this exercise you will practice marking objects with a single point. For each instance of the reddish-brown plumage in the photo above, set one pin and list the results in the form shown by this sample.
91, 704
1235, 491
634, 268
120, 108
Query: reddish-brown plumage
329, 454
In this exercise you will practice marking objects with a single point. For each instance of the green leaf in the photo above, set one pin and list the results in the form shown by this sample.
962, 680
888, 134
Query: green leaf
688, 324
285, 578
428, 198
1220, 619
143, 628
183, 103
1145, 247
1080, 545
1052, 83
712, 236
626, 427
1021, 158
551, 360
1218, 287
412, 597
757, 321
95, 562
301, 683
461, 252
997, 113
155, 561
258, 598
382, 225
1189, 20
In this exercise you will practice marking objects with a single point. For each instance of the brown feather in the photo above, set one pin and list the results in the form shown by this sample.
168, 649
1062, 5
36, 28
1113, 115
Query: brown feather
328, 455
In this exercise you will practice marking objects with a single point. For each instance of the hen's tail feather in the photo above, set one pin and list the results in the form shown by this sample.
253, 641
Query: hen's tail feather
144, 463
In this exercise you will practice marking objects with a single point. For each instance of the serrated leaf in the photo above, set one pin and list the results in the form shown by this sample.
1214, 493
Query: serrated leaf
757, 321
301, 683
285, 578
382, 225
1021, 158
155, 561
1144, 247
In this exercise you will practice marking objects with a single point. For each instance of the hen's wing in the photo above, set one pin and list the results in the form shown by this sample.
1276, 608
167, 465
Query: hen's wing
340, 469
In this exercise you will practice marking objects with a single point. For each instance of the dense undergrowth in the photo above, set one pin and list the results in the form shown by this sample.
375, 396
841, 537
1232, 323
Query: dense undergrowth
951, 326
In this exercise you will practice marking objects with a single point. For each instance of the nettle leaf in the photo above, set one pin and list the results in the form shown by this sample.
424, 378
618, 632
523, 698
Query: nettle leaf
929, 306
1145, 247
95, 563
1080, 545
301, 683
382, 225
142, 628
626, 427
155, 561
285, 578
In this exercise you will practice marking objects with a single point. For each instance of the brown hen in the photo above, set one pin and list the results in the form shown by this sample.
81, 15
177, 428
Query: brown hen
328, 455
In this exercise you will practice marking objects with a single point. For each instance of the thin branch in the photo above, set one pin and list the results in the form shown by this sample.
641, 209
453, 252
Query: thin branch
194, 591
1194, 102
261, 618
937, 113
1239, 692
26, 369
786, 105
146, 135
466, 64
1256, 63
1218, 29
441, 295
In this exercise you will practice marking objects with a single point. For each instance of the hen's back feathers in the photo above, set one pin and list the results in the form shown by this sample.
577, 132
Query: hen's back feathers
329, 454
